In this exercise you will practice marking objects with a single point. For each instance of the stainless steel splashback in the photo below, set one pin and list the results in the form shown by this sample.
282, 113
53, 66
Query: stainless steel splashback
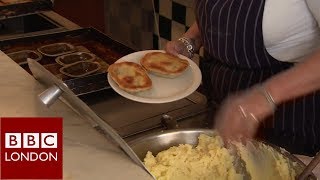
131, 118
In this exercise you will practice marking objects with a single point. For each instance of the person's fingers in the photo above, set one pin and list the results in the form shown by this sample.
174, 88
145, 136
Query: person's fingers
238, 118
227, 139
238, 130
246, 136
234, 124
176, 48
252, 125
179, 47
222, 125
228, 132
170, 48
241, 138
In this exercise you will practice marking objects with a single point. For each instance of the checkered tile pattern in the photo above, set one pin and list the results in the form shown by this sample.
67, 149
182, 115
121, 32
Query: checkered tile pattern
174, 18
133, 24
130, 22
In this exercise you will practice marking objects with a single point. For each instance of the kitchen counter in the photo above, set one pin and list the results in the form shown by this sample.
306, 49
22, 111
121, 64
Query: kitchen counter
86, 154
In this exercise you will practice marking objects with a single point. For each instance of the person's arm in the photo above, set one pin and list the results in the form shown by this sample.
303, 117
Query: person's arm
299, 80
194, 33
176, 47
240, 115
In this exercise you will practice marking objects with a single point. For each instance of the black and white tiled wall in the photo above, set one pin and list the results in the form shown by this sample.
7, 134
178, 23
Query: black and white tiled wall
133, 22
174, 17
130, 22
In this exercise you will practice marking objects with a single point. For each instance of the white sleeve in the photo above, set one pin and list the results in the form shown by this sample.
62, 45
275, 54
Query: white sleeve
314, 6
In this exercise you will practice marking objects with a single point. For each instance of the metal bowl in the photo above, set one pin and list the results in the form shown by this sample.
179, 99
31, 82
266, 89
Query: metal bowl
157, 142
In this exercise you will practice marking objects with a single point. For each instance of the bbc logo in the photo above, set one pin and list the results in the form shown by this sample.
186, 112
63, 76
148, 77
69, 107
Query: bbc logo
31, 140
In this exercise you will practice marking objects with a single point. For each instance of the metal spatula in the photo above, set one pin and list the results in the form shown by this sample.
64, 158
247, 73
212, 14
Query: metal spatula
252, 161
238, 162
308, 170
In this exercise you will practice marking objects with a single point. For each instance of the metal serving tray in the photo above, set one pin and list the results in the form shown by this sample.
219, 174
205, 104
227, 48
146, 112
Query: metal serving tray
90, 40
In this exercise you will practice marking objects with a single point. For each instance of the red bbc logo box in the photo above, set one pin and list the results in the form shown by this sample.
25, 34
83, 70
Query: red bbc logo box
31, 148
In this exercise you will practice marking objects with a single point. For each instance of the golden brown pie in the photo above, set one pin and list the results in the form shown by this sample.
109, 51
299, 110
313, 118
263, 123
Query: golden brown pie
130, 76
164, 64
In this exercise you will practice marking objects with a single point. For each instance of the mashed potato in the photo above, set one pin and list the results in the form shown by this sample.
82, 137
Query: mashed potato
266, 163
210, 160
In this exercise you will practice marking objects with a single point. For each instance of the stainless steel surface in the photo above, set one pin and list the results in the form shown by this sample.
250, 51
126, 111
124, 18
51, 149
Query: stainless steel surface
59, 23
146, 117
44, 76
308, 170
28, 25
160, 141
49, 96
169, 122
163, 140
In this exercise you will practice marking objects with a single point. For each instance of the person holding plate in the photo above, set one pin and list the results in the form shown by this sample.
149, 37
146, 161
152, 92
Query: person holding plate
262, 62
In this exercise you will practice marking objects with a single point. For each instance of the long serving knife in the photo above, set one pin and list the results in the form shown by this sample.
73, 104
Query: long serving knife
58, 88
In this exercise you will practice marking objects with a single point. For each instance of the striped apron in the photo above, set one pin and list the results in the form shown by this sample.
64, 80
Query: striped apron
236, 58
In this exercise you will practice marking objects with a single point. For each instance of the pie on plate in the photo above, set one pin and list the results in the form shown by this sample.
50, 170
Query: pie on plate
164, 64
130, 76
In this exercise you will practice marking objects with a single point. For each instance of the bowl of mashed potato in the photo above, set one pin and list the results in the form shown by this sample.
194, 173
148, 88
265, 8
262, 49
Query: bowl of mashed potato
200, 154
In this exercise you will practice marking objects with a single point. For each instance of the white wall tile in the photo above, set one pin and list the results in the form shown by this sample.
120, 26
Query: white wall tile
187, 3
156, 24
177, 30
190, 19
162, 43
165, 8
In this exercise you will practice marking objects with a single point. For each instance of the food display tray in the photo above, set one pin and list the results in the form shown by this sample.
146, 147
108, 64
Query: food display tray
90, 40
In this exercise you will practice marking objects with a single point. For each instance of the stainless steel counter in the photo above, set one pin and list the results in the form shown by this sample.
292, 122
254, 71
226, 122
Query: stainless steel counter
34, 24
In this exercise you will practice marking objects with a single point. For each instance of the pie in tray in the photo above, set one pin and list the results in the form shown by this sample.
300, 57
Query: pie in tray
130, 76
164, 64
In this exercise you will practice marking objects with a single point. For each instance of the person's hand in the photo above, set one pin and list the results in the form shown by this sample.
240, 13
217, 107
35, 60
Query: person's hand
177, 47
241, 114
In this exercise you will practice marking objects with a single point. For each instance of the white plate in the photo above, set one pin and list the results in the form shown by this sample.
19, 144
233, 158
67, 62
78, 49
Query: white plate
163, 89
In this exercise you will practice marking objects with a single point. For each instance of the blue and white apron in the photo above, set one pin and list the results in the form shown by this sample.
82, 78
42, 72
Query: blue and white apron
236, 58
